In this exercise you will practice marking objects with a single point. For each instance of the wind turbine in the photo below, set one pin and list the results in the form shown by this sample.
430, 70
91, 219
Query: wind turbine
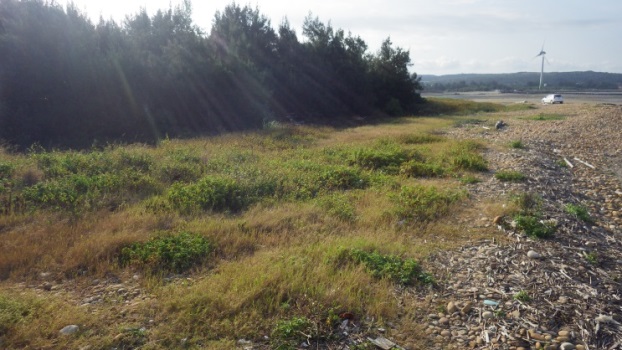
543, 54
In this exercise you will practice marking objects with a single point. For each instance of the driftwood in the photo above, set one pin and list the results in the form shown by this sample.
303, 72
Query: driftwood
568, 163
586, 163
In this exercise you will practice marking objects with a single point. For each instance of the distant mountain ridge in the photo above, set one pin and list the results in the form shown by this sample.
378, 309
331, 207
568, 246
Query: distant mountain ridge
523, 81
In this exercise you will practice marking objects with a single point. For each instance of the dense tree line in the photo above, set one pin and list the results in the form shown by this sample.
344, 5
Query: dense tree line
66, 81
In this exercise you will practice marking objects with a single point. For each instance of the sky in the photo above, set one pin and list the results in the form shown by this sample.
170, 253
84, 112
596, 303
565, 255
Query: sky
443, 36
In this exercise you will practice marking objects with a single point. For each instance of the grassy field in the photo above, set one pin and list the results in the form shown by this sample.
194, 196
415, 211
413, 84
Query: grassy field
267, 236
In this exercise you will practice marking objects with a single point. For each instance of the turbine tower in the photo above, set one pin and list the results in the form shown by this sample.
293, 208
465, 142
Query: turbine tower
543, 54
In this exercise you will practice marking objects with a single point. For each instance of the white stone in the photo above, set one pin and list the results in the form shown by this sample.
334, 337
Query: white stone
532, 254
68, 330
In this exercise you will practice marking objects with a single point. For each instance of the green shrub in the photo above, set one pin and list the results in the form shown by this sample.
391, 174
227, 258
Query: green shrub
424, 203
136, 184
465, 156
72, 192
6, 170
338, 205
341, 178
179, 172
591, 257
288, 334
167, 252
184, 155
533, 227
386, 158
402, 271
522, 296
57, 164
414, 168
215, 193
135, 160
528, 216
517, 144
12, 311
509, 176
79, 192
579, 211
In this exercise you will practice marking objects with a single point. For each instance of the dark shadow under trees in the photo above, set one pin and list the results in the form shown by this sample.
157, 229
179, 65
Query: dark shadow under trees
67, 82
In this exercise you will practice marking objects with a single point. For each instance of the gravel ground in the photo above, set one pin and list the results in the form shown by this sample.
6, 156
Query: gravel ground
559, 293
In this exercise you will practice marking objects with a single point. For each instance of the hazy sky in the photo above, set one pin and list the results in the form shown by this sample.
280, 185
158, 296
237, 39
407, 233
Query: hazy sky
445, 36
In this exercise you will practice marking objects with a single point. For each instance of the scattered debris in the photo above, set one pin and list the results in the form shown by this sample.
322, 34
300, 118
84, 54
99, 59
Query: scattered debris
586, 163
568, 163
383, 343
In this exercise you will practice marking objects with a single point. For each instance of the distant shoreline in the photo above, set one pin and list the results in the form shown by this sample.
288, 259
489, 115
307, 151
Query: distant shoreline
614, 97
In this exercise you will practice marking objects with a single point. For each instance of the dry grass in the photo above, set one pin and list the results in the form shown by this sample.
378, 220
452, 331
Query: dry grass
274, 259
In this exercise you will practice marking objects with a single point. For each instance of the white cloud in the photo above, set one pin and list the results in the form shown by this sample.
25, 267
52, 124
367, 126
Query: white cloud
445, 36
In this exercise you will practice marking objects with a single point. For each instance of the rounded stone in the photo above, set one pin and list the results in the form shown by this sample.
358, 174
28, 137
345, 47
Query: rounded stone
487, 314
68, 330
567, 346
533, 255
467, 307
451, 307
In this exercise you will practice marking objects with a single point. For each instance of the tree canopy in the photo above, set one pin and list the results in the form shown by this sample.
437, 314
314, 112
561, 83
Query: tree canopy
68, 82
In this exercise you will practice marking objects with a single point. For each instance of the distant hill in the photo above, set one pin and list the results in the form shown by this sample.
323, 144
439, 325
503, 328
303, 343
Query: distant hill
523, 81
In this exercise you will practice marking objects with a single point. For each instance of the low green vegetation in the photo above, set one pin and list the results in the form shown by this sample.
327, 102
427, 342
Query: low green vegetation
12, 311
591, 257
528, 217
510, 176
522, 296
290, 333
339, 205
534, 227
517, 144
167, 252
579, 211
402, 271
419, 203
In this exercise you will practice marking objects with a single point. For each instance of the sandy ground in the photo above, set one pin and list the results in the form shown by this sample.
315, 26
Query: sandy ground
569, 97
